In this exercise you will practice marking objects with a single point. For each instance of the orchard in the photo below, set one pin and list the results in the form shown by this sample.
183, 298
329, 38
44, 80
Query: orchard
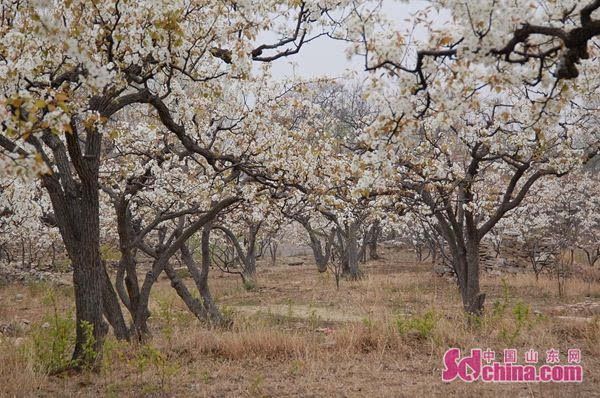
152, 149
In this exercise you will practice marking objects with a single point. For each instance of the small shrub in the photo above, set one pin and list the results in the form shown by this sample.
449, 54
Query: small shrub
206, 376
167, 315
164, 368
423, 326
148, 357
521, 316
112, 352
63, 265
53, 342
255, 389
89, 354
499, 307
367, 323
250, 285
296, 367
52, 345
228, 314
109, 253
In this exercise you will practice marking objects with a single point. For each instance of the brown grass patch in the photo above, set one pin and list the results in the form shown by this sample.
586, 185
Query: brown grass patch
404, 320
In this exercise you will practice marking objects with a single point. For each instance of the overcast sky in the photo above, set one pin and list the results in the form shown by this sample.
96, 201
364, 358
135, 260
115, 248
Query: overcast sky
326, 57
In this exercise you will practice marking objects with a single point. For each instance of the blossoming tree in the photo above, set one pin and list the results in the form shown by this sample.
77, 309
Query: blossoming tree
68, 68
465, 137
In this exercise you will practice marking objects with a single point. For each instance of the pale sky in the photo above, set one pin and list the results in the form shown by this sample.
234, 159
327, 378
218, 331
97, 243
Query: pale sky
326, 57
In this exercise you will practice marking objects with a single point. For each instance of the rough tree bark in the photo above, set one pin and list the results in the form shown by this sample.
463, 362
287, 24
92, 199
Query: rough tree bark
165, 252
205, 308
321, 252
82, 242
73, 189
348, 247
463, 230
127, 285
112, 309
273, 247
247, 257
375, 234
200, 276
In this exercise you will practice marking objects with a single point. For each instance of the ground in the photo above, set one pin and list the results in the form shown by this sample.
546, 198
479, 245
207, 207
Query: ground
296, 335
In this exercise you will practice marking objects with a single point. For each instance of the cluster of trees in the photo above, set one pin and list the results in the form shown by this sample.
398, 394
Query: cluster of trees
156, 128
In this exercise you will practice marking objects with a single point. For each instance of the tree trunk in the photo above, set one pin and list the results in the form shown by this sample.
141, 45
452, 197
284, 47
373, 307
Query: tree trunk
464, 253
142, 313
210, 310
88, 278
22, 253
112, 309
248, 257
321, 253
362, 248
249, 271
162, 257
79, 224
202, 282
375, 233
352, 272
474, 299
193, 304
466, 266
319, 257
341, 248
273, 246
76, 206
127, 282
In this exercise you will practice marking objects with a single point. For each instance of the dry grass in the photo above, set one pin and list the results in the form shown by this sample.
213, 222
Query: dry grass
408, 318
